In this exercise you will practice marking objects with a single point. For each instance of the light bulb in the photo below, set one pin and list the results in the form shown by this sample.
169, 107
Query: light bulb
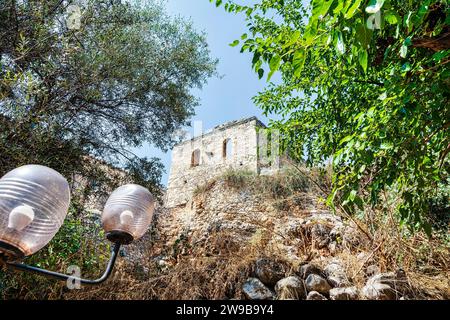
128, 213
34, 201
126, 217
20, 217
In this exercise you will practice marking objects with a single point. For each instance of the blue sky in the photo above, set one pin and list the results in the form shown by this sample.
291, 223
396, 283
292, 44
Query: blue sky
228, 97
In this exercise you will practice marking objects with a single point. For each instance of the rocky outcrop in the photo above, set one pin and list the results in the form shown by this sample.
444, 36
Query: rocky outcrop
221, 221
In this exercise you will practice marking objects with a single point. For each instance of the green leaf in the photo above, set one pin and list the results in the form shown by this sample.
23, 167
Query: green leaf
352, 10
406, 67
346, 139
299, 61
382, 96
340, 8
320, 8
407, 20
362, 169
438, 56
352, 195
363, 59
427, 228
256, 60
310, 33
386, 146
392, 17
274, 64
363, 35
359, 202
420, 15
426, 160
293, 39
407, 42
234, 43
260, 73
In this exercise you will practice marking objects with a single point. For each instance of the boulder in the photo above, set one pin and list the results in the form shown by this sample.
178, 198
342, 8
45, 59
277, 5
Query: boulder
315, 282
306, 269
336, 275
396, 280
386, 286
314, 295
290, 288
338, 281
269, 271
378, 291
333, 268
255, 290
349, 293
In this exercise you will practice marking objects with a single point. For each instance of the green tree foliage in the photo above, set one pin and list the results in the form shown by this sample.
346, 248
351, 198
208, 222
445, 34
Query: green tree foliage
365, 84
76, 95
97, 86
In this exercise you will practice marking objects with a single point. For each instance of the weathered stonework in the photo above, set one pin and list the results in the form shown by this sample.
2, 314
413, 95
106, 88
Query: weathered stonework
234, 145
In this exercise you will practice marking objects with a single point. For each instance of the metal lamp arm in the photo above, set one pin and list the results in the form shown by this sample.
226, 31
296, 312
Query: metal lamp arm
65, 277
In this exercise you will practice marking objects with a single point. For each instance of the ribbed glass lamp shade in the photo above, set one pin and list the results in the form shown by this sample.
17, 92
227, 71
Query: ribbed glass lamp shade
128, 213
34, 201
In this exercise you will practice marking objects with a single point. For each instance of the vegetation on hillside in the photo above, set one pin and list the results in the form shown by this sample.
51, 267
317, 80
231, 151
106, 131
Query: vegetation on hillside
215, 267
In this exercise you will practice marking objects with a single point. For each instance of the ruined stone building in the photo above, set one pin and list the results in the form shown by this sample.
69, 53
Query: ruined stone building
239, 145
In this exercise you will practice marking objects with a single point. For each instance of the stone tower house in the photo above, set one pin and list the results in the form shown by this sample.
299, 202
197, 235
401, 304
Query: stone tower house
238, 145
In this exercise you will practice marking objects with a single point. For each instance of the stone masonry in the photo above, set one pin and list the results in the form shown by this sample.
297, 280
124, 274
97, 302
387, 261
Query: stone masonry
239, 145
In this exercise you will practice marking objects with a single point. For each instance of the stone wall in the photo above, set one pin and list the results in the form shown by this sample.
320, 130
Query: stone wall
196, 161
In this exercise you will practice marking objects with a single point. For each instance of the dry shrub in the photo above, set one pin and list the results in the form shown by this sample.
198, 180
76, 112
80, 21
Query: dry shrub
202, 189
425, 260
420, 256
281, 184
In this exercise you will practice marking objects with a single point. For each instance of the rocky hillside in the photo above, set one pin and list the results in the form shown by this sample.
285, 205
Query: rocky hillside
271, 237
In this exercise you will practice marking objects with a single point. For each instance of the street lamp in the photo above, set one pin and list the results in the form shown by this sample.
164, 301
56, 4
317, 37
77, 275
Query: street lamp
34, 201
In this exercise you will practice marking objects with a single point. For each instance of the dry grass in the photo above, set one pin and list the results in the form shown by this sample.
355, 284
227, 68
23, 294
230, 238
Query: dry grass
216, 270
279, 185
